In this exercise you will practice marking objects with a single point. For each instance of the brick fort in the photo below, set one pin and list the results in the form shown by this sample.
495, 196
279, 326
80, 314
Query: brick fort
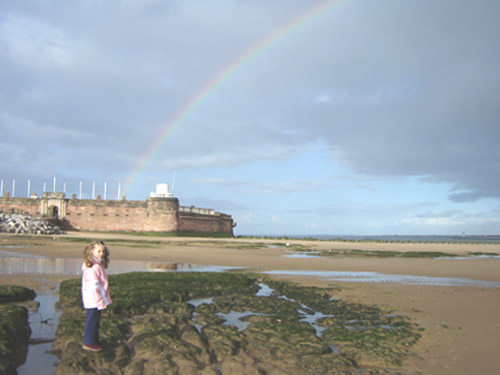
161, 212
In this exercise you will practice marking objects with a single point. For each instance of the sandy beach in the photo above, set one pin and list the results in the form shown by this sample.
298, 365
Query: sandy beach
462, 329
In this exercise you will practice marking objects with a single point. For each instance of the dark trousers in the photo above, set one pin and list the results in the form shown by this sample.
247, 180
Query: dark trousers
91, 333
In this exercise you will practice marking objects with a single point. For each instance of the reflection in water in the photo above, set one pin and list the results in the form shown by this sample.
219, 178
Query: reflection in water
43, 323
13, 263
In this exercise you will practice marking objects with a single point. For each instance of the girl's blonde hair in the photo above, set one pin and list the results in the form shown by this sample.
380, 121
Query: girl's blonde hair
87, 254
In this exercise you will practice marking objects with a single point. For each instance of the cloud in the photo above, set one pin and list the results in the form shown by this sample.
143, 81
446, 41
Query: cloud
449, 219
222, 157
220, 205
251, 187
398, 88
31, 42
425, 102
324, 98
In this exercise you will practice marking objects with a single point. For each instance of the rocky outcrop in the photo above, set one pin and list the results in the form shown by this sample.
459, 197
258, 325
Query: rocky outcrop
191, 323
14, 328
22, 224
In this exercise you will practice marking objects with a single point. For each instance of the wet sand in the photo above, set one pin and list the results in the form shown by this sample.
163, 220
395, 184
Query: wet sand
462, 329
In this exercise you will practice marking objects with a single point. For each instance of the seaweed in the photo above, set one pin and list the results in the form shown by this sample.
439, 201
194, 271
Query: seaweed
15, 293
154, 323
14, 327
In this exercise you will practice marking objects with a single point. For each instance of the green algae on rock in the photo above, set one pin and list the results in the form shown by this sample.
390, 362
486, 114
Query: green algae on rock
14, 327
217, 323
15, 293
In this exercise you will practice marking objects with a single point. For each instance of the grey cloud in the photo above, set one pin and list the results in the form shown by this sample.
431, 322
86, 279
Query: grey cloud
222, 205
433, 86
393, 87
218, 152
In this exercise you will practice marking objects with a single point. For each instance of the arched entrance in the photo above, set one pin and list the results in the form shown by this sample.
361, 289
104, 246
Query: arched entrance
53, 205
53, 212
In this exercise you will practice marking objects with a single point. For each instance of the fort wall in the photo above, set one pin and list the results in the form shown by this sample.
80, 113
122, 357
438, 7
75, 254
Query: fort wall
196, 222
156, 214
25, 206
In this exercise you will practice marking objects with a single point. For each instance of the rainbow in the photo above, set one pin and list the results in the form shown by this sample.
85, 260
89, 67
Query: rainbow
220, 78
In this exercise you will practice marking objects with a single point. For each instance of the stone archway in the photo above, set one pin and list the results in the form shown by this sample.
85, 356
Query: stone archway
54, 212
53, 205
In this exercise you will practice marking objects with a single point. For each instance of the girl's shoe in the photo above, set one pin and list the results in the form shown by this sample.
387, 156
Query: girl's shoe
92, 348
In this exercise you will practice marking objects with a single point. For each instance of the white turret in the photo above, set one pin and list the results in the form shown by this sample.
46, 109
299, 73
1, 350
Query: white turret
161, 192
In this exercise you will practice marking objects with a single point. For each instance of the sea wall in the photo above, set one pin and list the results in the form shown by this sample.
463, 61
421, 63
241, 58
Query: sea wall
152, 215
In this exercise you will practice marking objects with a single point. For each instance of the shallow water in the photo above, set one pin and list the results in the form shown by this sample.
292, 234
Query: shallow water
264, 290
14, 263
377, 277
43, 322
314, 254
312, 318
301, 254
237, 319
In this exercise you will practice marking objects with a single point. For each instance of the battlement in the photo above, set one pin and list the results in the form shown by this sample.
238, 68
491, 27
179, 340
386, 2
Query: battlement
196, 210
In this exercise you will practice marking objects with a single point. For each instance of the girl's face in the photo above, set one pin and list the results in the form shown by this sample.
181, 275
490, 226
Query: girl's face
99, 252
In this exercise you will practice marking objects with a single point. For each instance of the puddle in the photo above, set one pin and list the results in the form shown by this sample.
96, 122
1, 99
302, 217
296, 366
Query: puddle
309, 316
287, 299
200, 301
238, 319
310, 254
313, 318
264, 291
234, 318
43, 322
471, 257
13, 246
14, 263
376, 277
313, 254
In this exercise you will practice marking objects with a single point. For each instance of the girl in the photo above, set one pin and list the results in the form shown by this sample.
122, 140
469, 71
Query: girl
95, 291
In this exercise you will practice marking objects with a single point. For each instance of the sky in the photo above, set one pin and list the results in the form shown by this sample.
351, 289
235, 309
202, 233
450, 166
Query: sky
350, 117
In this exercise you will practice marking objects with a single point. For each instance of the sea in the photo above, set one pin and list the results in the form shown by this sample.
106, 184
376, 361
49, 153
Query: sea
399, 238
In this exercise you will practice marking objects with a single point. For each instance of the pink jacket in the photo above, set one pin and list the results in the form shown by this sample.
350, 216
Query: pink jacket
95, 287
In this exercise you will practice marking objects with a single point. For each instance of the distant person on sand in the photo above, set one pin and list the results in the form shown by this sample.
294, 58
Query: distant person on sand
95, 291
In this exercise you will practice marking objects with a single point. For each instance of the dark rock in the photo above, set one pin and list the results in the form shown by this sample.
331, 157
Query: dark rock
14, 328
15, 293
